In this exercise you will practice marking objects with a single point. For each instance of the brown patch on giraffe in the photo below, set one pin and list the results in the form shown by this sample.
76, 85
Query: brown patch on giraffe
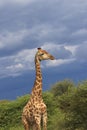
39, 80
39, 92
38, 87
38, 75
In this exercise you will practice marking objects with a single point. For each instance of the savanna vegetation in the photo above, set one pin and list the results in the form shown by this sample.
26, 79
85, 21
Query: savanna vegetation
66, 103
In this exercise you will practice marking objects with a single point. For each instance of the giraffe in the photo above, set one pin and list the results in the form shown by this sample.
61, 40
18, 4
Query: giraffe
35, 111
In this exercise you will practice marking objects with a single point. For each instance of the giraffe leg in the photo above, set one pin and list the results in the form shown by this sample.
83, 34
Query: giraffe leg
34, 127
38, 122
44, 121
25, 123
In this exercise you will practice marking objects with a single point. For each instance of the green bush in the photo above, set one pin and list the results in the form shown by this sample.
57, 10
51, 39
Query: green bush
74, 105
10, 112
66, 107
61, 87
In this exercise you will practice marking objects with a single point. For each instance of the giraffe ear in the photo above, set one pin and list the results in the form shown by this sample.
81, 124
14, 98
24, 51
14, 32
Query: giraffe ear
39, 48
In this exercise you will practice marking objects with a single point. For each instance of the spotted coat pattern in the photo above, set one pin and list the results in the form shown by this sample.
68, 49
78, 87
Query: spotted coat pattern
35, 111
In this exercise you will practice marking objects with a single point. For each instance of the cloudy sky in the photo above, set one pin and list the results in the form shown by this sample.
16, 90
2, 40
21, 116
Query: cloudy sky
59, 26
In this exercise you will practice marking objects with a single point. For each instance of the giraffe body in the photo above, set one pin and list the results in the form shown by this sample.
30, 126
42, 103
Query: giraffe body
35, 111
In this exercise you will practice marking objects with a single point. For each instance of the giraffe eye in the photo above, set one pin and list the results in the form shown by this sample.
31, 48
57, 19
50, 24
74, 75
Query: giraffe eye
42, 54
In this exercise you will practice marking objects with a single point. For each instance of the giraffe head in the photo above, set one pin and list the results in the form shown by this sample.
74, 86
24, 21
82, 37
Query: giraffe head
44, 55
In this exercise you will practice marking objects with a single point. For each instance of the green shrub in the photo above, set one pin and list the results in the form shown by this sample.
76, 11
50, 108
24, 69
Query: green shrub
66, 107
61, 87
10, 112
74, 105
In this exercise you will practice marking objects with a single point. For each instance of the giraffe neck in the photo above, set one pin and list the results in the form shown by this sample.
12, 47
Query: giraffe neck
37, 89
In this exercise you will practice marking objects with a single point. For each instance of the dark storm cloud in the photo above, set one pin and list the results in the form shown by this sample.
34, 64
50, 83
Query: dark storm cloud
59, 26
31, 24
81, 53
47, 21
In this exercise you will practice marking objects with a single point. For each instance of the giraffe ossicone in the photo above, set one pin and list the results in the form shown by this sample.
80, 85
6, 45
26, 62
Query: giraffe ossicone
35, 111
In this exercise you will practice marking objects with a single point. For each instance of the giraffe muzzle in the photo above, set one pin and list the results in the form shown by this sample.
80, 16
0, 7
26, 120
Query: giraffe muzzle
51, 57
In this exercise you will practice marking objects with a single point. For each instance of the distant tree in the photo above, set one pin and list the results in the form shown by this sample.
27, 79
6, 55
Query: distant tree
74, 105
66, 106
61, 87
